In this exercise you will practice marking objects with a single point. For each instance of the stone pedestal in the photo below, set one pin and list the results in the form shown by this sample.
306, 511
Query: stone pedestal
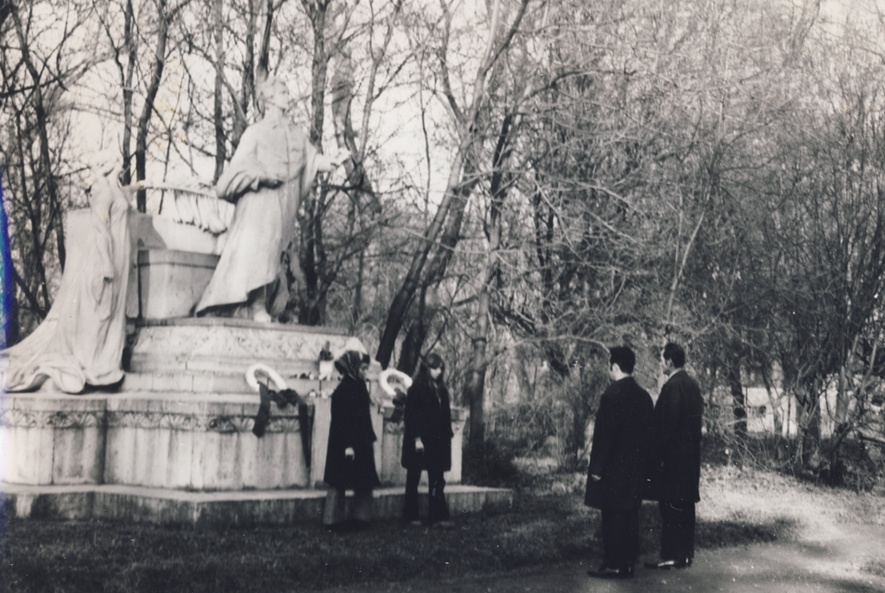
174, 262
183, 419
201, 444
170, 283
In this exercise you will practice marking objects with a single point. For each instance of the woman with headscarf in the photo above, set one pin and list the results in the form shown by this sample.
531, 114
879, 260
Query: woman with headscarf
350, 455
427, 440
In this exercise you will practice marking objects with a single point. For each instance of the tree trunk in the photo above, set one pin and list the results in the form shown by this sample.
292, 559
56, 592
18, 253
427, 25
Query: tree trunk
132, 57
738, 398
312, 260
247, 92
357, 309
144, 119
454, 200
218, 102
55, 206
809, 413
776, 415
313, 257
416, 336
474, 386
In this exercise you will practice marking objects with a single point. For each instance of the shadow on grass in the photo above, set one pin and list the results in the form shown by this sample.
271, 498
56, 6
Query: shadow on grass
99, 556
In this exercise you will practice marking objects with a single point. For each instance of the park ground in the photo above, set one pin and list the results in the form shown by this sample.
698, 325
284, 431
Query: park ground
757, 531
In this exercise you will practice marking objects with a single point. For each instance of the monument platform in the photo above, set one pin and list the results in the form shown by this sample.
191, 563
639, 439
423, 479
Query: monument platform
174, 442
218, 509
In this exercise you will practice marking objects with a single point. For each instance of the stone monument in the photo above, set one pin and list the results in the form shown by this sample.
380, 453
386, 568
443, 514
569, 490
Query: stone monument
171, 440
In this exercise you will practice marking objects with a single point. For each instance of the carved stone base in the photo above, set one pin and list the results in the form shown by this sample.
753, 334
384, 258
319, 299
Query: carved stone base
182, 424
170, 283
202, 442
215, 345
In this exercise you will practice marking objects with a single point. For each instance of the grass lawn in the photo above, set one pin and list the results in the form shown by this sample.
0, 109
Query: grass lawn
548, 525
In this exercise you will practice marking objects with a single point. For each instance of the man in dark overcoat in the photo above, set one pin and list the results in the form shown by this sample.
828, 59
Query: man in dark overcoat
678, 419
618, 461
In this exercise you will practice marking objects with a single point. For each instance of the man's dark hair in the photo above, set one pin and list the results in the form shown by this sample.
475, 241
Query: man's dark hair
674, 352
623, 357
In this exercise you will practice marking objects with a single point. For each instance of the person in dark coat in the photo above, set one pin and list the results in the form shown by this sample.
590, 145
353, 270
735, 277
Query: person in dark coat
427, 440
618, 461
678, 420
350, 456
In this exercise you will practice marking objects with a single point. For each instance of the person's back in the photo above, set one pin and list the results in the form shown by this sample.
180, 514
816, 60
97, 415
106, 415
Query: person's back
616, 473
678, 421
621, 445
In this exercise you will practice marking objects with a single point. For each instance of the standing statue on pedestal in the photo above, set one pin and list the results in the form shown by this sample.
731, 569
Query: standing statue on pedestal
81, 340
269, 175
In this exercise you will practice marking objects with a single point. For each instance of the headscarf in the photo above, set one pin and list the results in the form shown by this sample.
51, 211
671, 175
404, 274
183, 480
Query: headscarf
349, 363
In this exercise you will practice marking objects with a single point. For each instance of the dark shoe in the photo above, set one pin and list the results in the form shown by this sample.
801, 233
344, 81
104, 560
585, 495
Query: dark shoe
668, 564
604, 572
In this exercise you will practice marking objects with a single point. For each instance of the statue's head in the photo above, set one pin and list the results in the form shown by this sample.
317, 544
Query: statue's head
271, 91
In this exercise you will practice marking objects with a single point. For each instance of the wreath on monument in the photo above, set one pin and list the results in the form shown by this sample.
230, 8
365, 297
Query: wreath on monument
272, 375
282, 396
395, 384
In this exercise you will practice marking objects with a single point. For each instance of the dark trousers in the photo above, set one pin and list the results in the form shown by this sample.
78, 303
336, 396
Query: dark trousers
438, 509
620, 537
677, 531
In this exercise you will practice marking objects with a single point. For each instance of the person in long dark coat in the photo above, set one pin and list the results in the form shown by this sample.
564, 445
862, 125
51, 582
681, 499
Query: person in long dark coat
427, 440
618, 461
678, 420
350, 456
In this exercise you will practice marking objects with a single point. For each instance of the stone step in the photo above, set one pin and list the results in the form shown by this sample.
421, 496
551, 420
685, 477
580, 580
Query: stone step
183, 383
150, 363
218, 509
211, 344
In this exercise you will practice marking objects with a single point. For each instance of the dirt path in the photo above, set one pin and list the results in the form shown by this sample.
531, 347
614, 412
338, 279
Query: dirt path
827, 557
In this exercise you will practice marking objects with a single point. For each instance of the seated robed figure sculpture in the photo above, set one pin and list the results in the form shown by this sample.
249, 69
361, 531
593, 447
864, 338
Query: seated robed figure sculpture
271, 172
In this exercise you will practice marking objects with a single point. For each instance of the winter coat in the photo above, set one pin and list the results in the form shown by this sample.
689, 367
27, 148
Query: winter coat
428, 416
620, 452
678, 418
351, 426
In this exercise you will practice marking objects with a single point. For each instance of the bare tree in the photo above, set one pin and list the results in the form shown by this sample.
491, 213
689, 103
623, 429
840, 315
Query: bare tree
430, 262
35, 69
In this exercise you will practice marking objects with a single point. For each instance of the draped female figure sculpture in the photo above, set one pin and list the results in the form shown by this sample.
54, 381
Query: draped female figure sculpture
81, 339
270, 173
